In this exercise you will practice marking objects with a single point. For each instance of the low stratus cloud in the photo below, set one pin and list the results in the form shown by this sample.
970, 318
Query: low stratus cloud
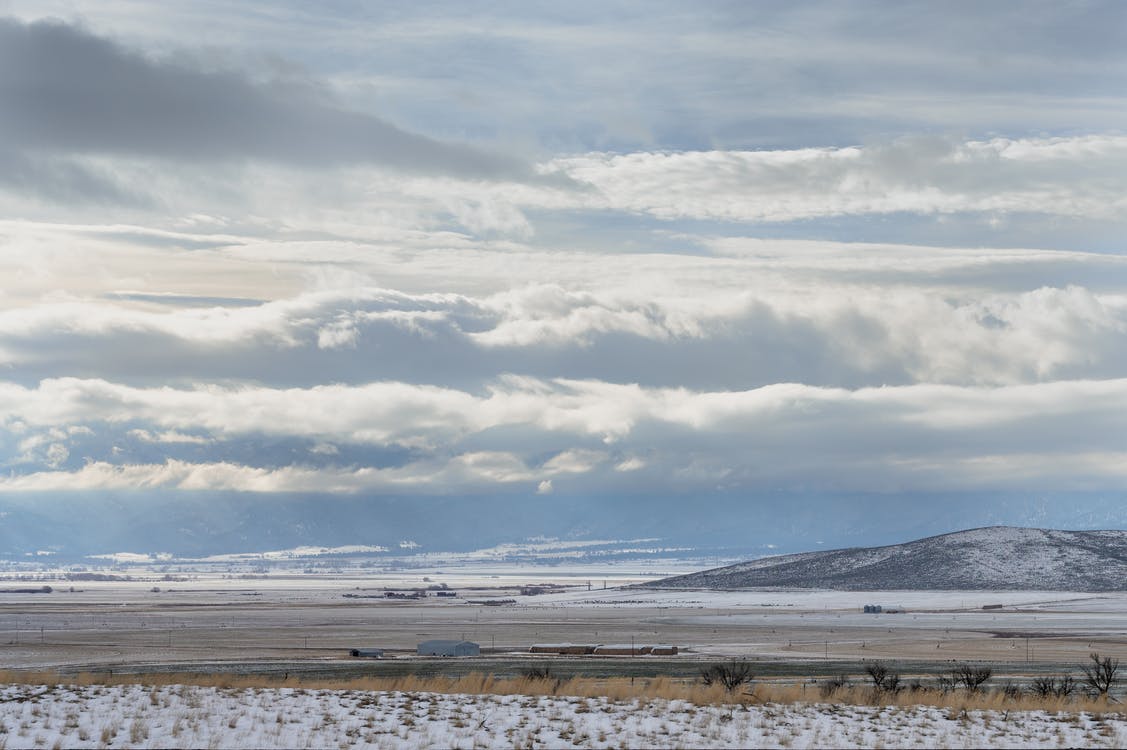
462, 472
526, 431
743, 329
1078, 176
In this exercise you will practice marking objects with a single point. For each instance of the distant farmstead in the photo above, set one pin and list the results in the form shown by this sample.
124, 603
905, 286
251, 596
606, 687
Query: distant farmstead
621, 649
602, 649
569, 649
449, 648
876, 609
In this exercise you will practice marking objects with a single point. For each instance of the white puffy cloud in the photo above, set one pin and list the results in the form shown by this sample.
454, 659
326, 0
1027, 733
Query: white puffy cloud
751, 312
524, 432
1067, 176
167, 436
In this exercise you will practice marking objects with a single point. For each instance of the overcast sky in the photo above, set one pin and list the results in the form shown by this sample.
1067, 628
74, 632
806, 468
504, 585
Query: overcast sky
548, 250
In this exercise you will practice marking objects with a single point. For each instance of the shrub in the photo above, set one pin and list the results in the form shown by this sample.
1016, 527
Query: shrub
1053, 687
538, 673
883, 680
731, 675
971, 677
834, 684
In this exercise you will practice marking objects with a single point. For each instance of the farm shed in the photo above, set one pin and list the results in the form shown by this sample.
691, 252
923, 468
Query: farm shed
448, 648
371, 653
621, 649
577, 649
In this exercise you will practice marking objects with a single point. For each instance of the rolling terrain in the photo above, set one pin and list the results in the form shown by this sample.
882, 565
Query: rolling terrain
993, 558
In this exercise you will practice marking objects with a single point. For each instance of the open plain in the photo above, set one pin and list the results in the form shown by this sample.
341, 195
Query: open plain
287, 622
210, 658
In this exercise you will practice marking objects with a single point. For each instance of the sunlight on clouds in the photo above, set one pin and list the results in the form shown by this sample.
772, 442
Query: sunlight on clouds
1065, 176
862, 438
455, 262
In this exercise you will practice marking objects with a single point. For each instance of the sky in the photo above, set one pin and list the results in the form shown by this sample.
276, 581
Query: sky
662, 255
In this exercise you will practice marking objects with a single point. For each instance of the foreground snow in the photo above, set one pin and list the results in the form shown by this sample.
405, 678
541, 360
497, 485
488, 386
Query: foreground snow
185, 716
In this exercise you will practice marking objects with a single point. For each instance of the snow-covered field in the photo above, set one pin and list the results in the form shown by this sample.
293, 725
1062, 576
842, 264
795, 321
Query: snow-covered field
36, 716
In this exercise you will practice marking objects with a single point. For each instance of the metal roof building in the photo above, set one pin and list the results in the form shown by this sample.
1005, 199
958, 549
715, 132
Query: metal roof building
448, 648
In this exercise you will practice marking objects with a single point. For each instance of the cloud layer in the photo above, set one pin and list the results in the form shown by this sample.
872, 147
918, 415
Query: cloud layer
67, 92
628, 253
925, 175
527, 432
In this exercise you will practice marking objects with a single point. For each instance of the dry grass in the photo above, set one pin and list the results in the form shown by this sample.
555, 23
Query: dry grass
615, 689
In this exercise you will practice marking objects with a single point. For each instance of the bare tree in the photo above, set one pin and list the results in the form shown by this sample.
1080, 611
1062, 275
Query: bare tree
877, 672
892, 683
1053, 687
1101, 675
730, 675
544, 673
539, 672
832, 685
971, 677
883, 679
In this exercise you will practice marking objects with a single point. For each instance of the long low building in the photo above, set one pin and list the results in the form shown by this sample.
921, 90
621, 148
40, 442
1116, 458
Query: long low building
622, 649
570, 649
604, 649
448, 648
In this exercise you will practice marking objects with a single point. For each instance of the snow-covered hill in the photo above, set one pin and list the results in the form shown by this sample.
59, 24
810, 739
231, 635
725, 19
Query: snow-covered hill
993, 558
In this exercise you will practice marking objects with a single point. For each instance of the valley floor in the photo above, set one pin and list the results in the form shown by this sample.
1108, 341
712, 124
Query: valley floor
116, 716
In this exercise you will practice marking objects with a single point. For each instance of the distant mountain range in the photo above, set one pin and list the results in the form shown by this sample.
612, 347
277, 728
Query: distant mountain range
993, 558
729, 525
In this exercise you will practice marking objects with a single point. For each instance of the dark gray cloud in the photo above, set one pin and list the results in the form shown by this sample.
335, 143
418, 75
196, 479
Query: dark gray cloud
65, 90
59, 179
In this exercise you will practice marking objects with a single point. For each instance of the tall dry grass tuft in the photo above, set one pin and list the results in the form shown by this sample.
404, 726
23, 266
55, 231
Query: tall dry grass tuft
615, 689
